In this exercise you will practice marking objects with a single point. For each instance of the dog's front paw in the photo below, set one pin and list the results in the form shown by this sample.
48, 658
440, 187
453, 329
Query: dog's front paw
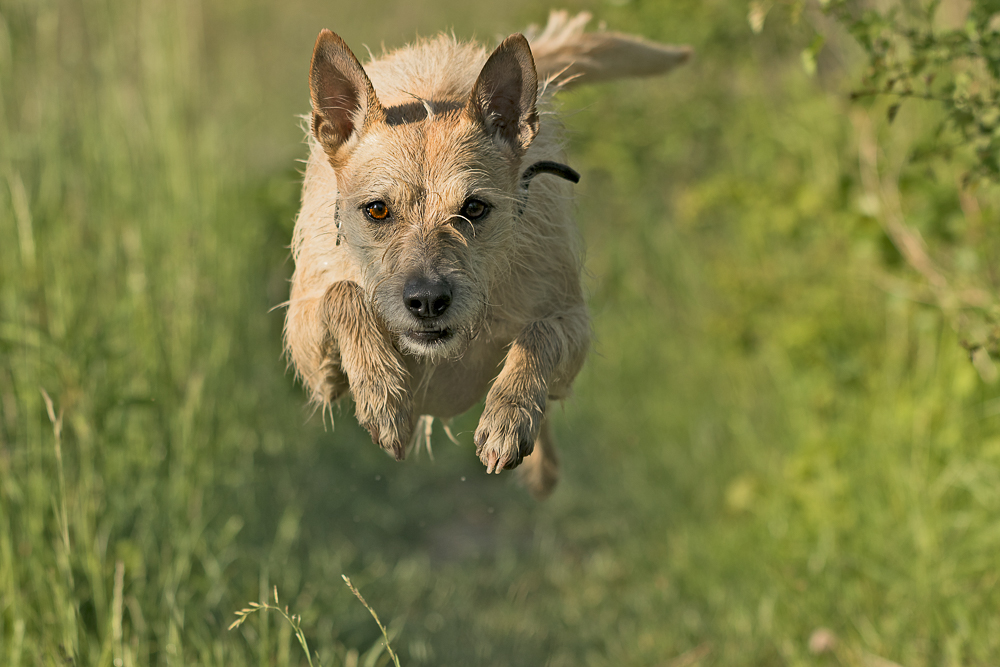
507, 430
387, 415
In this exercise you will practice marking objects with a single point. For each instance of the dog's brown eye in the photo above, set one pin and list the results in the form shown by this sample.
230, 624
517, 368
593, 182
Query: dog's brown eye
474, 209
377, 210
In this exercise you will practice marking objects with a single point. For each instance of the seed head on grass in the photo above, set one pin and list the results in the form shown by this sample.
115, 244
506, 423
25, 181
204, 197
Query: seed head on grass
385, 635
296, 621
293, 619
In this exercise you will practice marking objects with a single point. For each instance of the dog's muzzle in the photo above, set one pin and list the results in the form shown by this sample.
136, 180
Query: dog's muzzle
427, 299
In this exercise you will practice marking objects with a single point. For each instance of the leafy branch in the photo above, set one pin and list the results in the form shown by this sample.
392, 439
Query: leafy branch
911, 55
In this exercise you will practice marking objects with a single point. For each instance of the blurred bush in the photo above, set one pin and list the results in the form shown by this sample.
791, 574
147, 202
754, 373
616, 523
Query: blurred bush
778, 430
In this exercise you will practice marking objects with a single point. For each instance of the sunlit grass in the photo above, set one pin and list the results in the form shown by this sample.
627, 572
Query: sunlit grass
766, 440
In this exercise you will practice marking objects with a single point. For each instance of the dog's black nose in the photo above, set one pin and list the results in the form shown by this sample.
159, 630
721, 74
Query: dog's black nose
426, 297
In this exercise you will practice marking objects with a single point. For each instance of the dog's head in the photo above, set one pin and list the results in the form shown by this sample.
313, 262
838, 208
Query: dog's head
428, 190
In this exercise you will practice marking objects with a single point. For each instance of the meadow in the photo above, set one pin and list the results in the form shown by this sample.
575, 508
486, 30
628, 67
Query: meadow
774, 434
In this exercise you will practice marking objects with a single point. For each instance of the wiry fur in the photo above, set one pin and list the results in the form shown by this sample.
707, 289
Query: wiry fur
424, 129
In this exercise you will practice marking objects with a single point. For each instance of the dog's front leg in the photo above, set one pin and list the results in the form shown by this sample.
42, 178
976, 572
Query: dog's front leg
542, 362
375, 371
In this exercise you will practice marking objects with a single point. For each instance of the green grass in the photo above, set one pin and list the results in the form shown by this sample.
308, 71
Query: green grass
765, 441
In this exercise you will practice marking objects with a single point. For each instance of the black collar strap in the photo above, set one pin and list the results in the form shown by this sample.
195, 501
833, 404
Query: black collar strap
549, 167
544, 167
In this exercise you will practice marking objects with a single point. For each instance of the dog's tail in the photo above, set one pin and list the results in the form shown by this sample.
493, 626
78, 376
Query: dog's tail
565, 55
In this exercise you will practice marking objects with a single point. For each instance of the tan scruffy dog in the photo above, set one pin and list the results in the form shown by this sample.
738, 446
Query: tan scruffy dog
430, 268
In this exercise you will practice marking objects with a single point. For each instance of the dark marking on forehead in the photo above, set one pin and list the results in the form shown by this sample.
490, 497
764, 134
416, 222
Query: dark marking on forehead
416, 111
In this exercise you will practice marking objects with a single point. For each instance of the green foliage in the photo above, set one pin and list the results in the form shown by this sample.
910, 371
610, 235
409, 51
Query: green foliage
777, 430
934, 192
911, 57
937, 185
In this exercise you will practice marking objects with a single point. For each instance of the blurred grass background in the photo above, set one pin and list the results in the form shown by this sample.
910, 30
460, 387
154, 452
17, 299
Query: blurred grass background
765, 441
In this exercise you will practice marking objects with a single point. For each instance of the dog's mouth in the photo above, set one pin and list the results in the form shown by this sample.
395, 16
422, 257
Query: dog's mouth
429, 336
444, 342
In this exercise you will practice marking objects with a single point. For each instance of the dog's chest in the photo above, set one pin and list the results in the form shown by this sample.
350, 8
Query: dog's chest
448, 388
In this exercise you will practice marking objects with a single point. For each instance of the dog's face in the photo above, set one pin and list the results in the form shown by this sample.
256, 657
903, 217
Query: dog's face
428, 191
427, 209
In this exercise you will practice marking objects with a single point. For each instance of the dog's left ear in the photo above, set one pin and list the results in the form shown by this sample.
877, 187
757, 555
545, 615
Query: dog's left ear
503, 99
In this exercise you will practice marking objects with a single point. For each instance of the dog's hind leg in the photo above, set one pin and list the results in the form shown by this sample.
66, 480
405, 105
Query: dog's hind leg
540, 470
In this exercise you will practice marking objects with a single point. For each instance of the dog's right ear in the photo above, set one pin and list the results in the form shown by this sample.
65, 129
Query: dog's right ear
343, 98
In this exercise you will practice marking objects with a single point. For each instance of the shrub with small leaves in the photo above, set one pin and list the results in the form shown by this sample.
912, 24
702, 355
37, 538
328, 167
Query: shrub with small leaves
938, 206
